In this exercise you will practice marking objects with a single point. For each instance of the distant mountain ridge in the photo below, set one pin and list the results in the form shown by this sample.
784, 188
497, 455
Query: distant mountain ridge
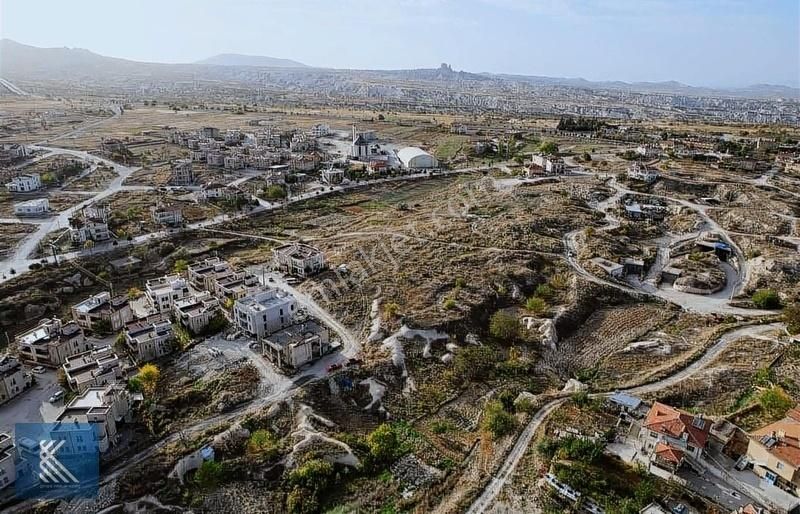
34, 63
251, 60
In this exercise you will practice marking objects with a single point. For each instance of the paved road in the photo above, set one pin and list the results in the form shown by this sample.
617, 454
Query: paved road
19, 260
25, 407
498, 481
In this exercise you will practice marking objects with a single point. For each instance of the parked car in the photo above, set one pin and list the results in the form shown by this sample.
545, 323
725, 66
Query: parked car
38, 370
334, 367
679, 509
57, 396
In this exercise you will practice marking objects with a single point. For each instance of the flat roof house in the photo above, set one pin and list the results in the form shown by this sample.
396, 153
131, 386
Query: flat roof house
35, 207
162, 292
13, 378
265, 312
102, 313
25, 183
95, 368
51, 342
182, 174
8, 464
237, 285
641, 173
298, 259
92, 224
196, 311
167, 214
149, 339
203, 274
103, 407
297, 345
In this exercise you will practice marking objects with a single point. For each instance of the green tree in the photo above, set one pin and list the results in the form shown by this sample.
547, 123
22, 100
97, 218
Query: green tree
548, 148
503, 326
274, 192
314, 475
209, 474
134, 293
775, 401
766, 299
302, 501
474, 363
262, 442
384, 445
536, 305
180, 266
544, 291
497, 420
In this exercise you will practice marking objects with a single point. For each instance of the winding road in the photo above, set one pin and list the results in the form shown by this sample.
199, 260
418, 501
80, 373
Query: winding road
714, 303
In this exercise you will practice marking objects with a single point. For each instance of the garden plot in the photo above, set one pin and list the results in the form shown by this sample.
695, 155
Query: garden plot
605, 333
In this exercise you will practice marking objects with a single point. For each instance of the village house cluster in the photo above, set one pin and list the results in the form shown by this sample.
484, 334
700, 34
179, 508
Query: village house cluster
211, 293
236, 149
764, 463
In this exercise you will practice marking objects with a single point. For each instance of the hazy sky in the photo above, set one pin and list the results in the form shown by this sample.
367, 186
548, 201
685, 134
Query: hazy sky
699, 42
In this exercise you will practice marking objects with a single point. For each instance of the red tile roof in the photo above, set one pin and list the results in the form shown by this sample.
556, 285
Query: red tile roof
669, 453
666, 420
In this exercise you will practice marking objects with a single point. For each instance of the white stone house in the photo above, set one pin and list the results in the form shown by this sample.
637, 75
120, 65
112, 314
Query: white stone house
196, 311
642, 173
149, 339
51, 342
95, 368
298, 259
167, 214
115, 312
24, 183
297, 345
162, 292
8, 461
13, 378
265, 312
103, 407
36, 207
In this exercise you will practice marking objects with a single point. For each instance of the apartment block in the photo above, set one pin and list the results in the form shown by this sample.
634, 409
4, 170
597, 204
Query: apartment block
95, 368
162, 292
51, 342
149, 339
13, 378
101, 312
265, 312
